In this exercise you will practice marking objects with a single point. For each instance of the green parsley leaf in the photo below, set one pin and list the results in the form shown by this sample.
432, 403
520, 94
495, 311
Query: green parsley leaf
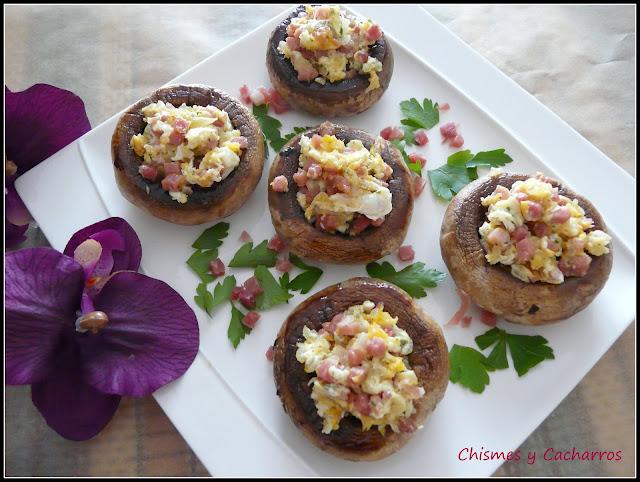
409, 133
295, 132
222, 291
212, 237
469, 367
460, 158
249, 257
303, 282
284, 281
413, 279
413, 166
446, 181
495, 158
236, 331
199, 263
423, 116
273, 294
526, 351
203, 298
270, 126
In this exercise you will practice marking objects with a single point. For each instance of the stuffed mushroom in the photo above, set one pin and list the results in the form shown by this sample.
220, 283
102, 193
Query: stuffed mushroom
329, 62
340, 195
358, 367
187, 154
528, 249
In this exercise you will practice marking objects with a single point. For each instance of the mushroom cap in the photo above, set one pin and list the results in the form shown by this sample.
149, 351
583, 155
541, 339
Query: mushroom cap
305, 240
429, 360
205, 204
344, 98
493, 287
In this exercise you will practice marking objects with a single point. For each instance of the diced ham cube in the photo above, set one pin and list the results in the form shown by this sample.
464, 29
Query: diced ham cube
242, 140
415, 157
245, 237
284, 265
176, 137
448, 130
541, 229
171, 168
498, 236
360, 224
150, 173
362, 404
276, 244
520, 233
327, 222
357, 375
421, 138
388, 172
373, 33
323, 370
181, 125
524, 249
418, 185
293, 43
560, 215
521, 196
216, 267
457, 141
316, 141
339, 184
444, 107
300, 178
533, 211
280, 184
376, 347
391, 133
348, 326
575, 266
406, 253
488, 318
252, 285
314, 171
270, 353
503, 191
466, 321
245, 94
250, 319
361, 56
276, 102
355, 356
173, 182
247, 299
406, 426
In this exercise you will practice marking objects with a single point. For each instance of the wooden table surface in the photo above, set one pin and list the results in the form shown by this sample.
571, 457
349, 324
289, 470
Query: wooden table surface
578, 60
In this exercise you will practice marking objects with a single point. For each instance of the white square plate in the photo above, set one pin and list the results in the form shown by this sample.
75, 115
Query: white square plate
226, 406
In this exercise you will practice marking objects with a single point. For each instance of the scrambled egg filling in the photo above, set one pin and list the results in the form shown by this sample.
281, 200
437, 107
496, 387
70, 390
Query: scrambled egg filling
364, 373
327, 43
200, 139
540, 234
347, 179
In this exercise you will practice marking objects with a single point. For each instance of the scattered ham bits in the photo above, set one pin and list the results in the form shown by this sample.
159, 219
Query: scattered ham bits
269, 353
247, 293
263, 95
466, 321
488, 318
245, 237
250, 319
280, 184
216, 267
418, 185
276, 244
284, 265
449, 132
406, 253
465, 301
390, 133
421, 138
415, 157
444, 107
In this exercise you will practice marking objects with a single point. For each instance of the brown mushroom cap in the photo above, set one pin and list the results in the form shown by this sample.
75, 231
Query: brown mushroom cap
307, 241
205, 204
493, 287
343, 98
429, 360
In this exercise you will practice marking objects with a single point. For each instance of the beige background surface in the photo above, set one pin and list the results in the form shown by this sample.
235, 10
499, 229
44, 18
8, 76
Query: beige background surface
578, 60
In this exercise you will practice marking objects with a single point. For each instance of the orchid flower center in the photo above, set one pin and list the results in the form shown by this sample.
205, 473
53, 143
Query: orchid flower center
93, 321
10, 167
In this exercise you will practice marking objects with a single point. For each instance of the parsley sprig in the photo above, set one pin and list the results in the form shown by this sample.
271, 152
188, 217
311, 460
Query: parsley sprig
462, 168
206, 247
273, 292
469, 367
413, 166
413, 279
304, 281
249, 257
418, 116
237, 330
271, 128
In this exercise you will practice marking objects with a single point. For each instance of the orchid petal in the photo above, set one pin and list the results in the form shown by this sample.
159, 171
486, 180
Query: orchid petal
39, 122
15, 210
42, 293
13, 235
150, 340
127, 258
71, 407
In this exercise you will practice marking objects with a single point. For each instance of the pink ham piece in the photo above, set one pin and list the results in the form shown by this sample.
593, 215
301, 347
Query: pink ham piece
448, 130
250, 319
498, 236
362, 403
242, 141
247, 299
466, 321
339, 184
418, 185
330, 326
560, 215
444, 107
415, 157
361, 56
406, 426
284, 265
171, 168
520, 233
421, 138
327, 222
181, 125
356, 375
503, 191
245, 94
300, 178
277, 103
457, 141
533, 212
216, 267
360, 224
280, 184
269, 353
173, 182
314, 171
307, 72
406, 253
348, 326
373, 33
355, 356
293, 43
252, 285
376, 347
524, 250
541, 229
245, 237
276, 244
176, 137
575, 246
465, 301
390, 133
488, 318
150, 173
575, 266
323, 370
521, 196
258, 98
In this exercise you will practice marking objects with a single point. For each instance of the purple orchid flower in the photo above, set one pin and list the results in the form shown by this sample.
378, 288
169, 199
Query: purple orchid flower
84, 328
39, 122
